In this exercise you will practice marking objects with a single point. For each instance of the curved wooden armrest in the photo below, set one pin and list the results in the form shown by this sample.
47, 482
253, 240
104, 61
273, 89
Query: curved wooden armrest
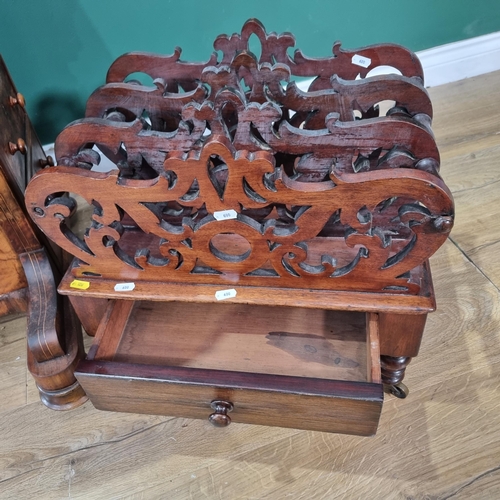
54, 336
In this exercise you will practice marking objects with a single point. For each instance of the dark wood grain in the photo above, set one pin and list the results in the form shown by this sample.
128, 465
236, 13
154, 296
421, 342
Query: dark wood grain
397, 303
442, 441
319, 369
328, 406
90, 310
401, 334
54, 336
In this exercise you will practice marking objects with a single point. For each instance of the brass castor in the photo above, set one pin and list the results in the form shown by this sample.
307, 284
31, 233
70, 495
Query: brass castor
399, 390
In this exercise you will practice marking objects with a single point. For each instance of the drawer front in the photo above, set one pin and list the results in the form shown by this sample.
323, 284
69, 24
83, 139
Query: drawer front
21, 163
296, 402
13, 120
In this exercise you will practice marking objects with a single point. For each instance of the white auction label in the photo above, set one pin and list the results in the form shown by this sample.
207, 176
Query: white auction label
225, 294
361, 60
124, 287
225, 215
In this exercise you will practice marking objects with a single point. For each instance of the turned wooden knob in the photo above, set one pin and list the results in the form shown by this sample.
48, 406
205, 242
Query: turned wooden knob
19, 145
220, 418
19, 99
443, 224
48, 162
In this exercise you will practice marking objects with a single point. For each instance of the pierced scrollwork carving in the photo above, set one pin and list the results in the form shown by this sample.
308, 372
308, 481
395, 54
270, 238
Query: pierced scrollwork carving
278, 219
227, 172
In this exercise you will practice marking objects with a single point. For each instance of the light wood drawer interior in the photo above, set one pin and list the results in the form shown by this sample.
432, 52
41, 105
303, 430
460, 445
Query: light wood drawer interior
283, 366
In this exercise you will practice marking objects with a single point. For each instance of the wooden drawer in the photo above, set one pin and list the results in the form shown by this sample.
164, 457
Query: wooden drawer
290, 367
18, 164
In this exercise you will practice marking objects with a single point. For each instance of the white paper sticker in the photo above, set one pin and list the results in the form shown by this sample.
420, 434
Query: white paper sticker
124, 287
225, 215
361, 60
225, 294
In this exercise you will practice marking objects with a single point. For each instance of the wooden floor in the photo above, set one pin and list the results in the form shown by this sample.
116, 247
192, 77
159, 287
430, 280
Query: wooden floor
442, 442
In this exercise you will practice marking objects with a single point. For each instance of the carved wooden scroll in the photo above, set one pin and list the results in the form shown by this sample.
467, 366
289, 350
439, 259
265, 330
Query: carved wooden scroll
274, 50
226, 172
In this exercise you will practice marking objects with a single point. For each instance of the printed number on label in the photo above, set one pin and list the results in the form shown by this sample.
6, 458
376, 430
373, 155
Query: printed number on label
81, 285
225, 294
225, 215
124, 287
361, 61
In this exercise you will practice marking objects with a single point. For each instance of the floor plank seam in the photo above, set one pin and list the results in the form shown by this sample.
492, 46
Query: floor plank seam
460, 141
12, 342
96, 445
473, 263
2, 481
485, 245
487, 184
472, 481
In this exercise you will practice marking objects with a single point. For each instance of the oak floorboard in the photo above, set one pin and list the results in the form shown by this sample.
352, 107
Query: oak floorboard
442, 442
468, 136
478, 224
467, 129
13, 372
473, 166
109, 455
465, 111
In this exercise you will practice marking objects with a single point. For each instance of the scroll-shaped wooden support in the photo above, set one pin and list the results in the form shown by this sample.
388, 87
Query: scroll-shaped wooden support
385, 54
174, 71
162, 107
258, 77
347, 96
252, 182
132, 100
344, 140
55, 343
139, 143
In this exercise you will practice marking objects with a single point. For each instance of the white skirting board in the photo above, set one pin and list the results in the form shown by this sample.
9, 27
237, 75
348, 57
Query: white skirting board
458, 60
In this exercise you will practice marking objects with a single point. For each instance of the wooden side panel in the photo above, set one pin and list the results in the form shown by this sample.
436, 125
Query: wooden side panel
401, 334
11, 270
373, 348
13, 303
16, 236
13, 120
54, 336
90, 311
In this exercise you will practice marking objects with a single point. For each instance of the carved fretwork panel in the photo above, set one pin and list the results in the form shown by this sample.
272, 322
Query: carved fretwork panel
226, 172
326, 235
274, 50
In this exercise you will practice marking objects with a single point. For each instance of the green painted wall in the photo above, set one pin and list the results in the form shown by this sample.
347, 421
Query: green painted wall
58, 51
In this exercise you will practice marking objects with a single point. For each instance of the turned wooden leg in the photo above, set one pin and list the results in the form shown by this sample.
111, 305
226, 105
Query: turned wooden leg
393, 368
55, 344
393, 371
400, 337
